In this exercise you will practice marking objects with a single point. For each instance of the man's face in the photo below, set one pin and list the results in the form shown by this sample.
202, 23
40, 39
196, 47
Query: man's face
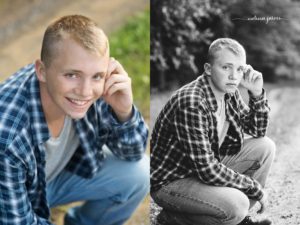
227, 71
75, 78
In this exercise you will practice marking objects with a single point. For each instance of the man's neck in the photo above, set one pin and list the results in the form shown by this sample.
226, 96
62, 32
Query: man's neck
218, 94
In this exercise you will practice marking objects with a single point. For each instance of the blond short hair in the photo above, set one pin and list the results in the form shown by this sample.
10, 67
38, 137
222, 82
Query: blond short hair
81, 29
225, 43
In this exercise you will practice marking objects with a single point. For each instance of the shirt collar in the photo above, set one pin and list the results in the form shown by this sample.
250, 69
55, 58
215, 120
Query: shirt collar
39, 127
208, 92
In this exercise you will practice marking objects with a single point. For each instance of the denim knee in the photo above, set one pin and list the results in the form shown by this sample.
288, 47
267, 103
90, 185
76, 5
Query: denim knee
267, 147
234, 209
237, 207
138, 178
141, 177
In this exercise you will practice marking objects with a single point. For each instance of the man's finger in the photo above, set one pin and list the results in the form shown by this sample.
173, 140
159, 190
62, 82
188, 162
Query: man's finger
115, 79
262, 207
254, 76
115, 67
111, 67
116, 87
261, 210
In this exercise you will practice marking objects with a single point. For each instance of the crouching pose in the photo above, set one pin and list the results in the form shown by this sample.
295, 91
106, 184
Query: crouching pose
204, 170
69, 132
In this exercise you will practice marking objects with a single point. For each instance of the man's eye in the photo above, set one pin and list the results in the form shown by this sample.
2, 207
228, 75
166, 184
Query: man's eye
240, 70
225, 67
97, 77
71, 75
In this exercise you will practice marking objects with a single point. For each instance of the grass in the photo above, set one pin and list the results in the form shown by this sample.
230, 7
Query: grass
131, 46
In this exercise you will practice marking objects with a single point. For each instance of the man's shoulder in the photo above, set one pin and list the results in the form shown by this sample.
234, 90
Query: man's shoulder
14, 92
13, 123
17, 86
191, 94
18, 78
14, 110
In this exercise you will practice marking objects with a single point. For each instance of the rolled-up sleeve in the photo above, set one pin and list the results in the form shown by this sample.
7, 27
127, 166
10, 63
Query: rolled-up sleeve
127, 140
255, 116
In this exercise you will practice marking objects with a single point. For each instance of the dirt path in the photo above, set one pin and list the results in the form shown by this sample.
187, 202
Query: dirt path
284, 181
24, 46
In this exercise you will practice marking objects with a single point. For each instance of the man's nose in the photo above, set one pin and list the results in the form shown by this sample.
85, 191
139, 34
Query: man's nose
84, 89
233, 75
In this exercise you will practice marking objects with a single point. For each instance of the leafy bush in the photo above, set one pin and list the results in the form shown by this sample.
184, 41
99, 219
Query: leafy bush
181, 31
271, 45
131, 46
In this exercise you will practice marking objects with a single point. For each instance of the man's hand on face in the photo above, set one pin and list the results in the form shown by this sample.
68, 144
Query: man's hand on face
117, 90
252, 80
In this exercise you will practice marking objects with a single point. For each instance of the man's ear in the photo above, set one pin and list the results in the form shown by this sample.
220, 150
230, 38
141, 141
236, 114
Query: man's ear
40, 70
207, 68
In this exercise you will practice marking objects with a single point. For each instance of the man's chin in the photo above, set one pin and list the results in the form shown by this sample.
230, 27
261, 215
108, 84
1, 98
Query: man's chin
76, 116
231, 90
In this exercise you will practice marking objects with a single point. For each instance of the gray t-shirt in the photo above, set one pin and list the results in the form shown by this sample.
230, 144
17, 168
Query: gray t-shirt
222, 124
60, 150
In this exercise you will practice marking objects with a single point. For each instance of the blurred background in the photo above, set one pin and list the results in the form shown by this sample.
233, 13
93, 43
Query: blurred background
181, 32
127, 23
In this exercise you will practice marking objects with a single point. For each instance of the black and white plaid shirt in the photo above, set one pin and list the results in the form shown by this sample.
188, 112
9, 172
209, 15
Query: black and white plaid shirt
184, 141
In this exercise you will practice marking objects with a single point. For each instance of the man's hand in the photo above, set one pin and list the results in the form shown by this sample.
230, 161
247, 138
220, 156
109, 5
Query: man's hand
252, 80
117, 90
263, 203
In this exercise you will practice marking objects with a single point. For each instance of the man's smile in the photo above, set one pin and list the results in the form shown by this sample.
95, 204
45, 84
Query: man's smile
78, 102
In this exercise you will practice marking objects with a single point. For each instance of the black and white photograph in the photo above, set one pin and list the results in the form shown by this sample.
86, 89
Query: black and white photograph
225, 125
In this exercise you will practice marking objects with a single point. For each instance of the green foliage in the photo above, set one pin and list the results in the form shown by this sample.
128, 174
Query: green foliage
131, 46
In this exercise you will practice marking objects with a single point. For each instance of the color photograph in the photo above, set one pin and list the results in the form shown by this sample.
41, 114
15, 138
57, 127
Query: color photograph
74, 112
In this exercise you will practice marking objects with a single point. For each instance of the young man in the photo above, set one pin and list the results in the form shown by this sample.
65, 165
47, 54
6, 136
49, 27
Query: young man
69, 132
203, 169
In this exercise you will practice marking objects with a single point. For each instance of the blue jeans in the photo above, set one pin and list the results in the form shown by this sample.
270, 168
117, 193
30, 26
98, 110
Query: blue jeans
189, 201
110, 197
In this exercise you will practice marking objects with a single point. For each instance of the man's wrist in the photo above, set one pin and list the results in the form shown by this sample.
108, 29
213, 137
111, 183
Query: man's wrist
256, 93
124, 116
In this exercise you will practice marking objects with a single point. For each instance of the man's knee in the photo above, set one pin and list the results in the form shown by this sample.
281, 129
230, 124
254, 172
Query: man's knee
237, 207
141, 173
267, 147
138, 177
234, 208
132, 180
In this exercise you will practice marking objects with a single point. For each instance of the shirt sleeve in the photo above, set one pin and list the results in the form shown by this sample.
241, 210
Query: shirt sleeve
255, 116
15, 207
192, 130
128, 140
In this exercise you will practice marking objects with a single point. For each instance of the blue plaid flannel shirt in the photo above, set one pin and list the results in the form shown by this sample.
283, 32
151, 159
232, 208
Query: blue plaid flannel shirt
23, 132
